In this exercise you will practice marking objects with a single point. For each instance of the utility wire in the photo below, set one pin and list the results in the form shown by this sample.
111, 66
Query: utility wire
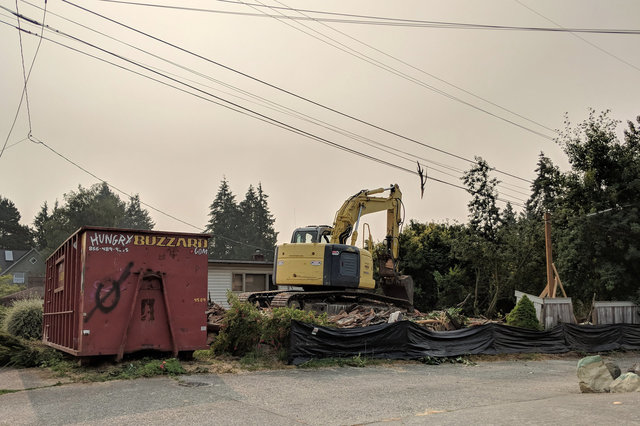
341, 46
283, 109
573, 33
254, 114
24, 95
284, 90
67, 159
374, 62
280, 108
381, 21
431, 75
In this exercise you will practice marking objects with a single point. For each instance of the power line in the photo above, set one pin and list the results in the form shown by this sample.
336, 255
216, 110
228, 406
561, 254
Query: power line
289, 111
380, 21
24, 95
246, 111
573, 33
429, 74
401, 74
284, 90
283, 109
67, 159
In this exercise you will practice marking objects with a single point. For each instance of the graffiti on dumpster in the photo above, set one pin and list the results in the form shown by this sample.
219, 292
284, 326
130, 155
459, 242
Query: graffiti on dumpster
120, 243
102, 300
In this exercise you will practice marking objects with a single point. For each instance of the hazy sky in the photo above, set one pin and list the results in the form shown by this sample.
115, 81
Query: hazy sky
465, 91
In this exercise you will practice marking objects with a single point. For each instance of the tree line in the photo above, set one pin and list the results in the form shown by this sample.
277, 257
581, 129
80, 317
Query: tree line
238, 230
595, 211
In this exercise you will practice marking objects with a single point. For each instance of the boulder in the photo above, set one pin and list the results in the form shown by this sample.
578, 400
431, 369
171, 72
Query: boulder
635, 368
627, 382
613, 369
594, 375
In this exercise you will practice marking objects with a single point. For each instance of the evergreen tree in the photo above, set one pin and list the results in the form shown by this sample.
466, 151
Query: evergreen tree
239, 230
39, 222
136, 217
265, 224
13, 235
224, 224
249, 232
546, 188
484, 215
524, 315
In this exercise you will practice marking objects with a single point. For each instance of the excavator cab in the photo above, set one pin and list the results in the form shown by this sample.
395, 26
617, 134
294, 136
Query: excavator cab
312, 234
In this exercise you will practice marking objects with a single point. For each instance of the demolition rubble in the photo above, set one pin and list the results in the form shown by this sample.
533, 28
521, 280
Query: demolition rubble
356, 316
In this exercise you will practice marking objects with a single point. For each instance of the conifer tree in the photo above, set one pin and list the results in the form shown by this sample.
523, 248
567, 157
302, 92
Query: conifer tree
224, 224
13, 235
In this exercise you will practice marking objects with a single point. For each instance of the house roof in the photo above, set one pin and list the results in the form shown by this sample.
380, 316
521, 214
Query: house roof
18, 257
240, 262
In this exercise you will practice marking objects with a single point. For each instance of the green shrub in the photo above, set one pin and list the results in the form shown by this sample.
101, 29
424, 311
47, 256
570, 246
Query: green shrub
524, 315
3, 314
24, 319
17, 352
240, 332
275, 330
245, 329
156, 367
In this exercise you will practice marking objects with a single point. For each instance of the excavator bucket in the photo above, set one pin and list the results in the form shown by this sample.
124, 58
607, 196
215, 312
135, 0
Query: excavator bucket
394, 285
400, 287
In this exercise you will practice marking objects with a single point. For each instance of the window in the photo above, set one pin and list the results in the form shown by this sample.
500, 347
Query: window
60, 274
250, 282
236, 284
33, 260
8, 255
254, 282
18, 277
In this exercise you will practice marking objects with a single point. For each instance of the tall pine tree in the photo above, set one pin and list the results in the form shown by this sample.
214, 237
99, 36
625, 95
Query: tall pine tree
13, 235
240, 230
265, 224
224, 224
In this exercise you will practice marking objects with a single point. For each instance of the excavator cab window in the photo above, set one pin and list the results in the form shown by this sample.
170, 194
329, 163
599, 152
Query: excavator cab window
305, 237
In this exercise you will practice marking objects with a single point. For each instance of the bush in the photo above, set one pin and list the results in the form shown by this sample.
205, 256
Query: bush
524, 315
20, 353
277, 329
24, 319
3, 314
245, 329
240, 332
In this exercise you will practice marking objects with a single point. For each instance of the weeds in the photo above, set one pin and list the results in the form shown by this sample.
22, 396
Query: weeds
355, 361
434, 360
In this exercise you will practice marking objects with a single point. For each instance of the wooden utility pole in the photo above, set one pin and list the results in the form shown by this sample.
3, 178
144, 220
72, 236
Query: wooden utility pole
551, 282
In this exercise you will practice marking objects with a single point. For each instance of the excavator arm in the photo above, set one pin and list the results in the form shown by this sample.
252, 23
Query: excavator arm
347, 218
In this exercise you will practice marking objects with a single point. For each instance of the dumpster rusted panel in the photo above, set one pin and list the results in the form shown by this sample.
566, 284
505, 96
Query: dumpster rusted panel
114, 291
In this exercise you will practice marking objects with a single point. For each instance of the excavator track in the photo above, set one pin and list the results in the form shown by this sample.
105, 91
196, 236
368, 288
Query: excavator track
261, 298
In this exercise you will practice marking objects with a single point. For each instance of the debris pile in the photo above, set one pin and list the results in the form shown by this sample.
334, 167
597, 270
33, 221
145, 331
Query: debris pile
363, 316
215, 316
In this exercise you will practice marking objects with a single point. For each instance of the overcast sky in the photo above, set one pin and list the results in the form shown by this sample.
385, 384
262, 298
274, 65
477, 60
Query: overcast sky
499, 94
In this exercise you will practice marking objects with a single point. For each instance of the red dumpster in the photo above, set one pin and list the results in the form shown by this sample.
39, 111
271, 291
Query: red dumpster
114, 291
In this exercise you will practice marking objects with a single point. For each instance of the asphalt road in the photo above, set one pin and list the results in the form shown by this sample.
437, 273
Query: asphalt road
499, 393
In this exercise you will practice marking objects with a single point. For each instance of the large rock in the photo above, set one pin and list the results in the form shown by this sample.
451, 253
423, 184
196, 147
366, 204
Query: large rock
635, 368
627, 382
594, 375
613, 369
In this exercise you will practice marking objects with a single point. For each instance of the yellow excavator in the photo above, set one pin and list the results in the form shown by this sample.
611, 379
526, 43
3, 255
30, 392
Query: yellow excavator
321, 270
